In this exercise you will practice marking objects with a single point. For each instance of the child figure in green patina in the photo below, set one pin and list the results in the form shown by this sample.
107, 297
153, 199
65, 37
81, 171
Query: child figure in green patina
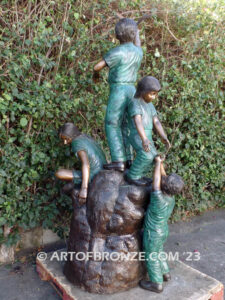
142, 118
155, 225
88, 151
123, 63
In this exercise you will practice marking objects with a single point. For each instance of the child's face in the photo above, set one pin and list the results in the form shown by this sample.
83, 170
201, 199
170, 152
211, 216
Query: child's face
150, 96
66, 140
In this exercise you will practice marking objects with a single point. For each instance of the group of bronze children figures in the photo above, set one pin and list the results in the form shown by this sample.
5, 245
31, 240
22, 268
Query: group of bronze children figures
130, 119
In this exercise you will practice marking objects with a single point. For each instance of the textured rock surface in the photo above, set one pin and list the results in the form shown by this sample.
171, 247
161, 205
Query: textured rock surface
110, 221
6, 253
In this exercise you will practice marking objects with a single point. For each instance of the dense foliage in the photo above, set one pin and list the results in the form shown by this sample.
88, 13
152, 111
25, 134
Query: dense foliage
47, 53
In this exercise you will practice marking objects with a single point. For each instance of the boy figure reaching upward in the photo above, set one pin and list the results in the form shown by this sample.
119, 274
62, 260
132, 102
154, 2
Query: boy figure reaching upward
123, 63
142, 118
155, 225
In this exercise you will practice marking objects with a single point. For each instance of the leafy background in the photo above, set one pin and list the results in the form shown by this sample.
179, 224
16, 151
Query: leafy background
47, 53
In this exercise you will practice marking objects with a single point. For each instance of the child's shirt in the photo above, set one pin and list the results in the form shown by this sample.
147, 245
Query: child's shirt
138, 106
158, 212
124, 62
95, 154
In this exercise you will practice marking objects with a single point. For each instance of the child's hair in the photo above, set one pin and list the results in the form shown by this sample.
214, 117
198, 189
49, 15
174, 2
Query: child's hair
126, 30
147, 84
69, 130
172, 184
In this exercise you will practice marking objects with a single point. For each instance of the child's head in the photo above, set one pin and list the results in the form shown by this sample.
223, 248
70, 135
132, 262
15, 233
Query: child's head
126, 30
172, 184
68, 132
148, 88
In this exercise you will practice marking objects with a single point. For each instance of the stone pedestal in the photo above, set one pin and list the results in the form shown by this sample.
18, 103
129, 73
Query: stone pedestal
186, 283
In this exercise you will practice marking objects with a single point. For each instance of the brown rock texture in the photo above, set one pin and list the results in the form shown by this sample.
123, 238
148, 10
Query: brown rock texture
110, 221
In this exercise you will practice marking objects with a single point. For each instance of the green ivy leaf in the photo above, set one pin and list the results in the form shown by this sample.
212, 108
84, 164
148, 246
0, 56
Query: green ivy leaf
23, 122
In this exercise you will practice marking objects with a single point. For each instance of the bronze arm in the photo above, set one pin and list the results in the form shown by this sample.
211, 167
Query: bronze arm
137, 41
156, 185
64, 174
141, 132
100, 65
163, 172
158, 127
85, 173
158, 172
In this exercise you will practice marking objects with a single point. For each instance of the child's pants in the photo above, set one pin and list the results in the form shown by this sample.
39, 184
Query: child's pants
155, 257
119, 98
144, 160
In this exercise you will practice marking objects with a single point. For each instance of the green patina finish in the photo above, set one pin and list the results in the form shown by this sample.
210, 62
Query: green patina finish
123, 62
116, 130
95, 155
155, 234
144, 160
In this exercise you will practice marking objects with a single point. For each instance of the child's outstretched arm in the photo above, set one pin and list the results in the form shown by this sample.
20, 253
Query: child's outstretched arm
163, 172
137, 41
156, 185
64, 174
100, 65
141, 132
97, 68
158, 127
85, 173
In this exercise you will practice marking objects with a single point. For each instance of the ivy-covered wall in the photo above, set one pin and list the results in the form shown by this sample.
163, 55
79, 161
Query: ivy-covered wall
47, 53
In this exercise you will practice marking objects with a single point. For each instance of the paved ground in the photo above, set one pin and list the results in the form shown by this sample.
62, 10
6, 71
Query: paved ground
199, 242
204, 234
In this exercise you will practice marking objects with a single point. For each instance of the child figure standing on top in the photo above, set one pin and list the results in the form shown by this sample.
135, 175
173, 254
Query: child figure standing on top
123, 63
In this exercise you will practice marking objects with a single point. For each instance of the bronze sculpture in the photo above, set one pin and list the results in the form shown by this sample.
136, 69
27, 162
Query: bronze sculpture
109, 217
155, 225
123, 63
88, 151
142, 119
